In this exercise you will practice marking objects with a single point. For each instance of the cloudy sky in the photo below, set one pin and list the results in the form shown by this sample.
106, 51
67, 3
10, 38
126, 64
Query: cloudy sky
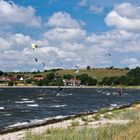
69, 32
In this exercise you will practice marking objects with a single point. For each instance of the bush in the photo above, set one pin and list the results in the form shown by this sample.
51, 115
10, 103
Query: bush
87, 80
10, 83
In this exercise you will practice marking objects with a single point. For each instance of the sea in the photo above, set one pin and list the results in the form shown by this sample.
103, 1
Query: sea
24, 106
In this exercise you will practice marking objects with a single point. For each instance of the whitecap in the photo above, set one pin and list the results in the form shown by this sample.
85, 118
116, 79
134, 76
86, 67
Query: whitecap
32, 105
19, 102
19, 124
108, 93
57, 106
1, 108
25, 99
60, 117
31, 101
114, 105
58, 94
7, 114
40, 98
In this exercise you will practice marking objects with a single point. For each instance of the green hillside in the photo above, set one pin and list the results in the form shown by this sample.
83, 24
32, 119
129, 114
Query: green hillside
97, 73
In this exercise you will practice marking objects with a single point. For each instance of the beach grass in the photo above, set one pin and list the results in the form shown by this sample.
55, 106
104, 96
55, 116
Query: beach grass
129, 131
109, 131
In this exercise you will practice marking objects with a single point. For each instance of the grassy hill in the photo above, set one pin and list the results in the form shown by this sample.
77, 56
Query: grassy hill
97, 73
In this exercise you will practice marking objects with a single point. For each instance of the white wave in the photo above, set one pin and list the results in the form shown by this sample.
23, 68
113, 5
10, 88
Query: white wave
35, 121
1, 108
32, 105
58, 94
31, 101
18, 124
25, 99
7, 114
108, 93
40, 98
60, 117
19, 102
114, 105
57, 106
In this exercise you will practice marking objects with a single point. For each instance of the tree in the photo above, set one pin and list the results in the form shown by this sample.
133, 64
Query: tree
56, 82
134, 72
68, 76
40, 83
1, 73
111, 67
86, 80
126, 68
88, 68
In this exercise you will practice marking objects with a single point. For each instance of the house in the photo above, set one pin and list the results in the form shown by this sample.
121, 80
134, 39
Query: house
13, 79
72, 82
4, 79
39, 77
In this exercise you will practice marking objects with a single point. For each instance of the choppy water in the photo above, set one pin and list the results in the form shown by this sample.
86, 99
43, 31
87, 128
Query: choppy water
27, 105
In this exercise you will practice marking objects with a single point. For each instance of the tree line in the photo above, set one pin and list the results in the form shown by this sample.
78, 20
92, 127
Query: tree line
132, 78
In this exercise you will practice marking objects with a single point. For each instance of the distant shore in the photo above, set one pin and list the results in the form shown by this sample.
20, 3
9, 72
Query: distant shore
123, 87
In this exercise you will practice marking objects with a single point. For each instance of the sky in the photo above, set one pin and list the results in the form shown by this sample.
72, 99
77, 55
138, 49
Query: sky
69, 33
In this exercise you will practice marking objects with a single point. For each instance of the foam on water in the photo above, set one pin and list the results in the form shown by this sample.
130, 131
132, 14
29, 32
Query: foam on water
1, 108
18, 124
57, 106
31, 101
7, 114
114, 105
32, 105
40, 98
25, 99
108, 94
19, 102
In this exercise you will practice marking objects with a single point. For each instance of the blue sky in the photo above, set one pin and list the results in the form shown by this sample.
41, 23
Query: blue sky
74, 32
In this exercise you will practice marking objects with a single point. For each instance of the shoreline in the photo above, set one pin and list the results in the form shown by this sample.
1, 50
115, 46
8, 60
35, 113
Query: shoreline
76, 87
67, 122
58, 119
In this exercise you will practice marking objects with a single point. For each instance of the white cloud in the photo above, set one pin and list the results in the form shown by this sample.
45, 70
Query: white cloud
132, 62
13, 14
124, 16
91, 6
65, 34
70, 44
15, 42
62, 20
4, 44
96, 9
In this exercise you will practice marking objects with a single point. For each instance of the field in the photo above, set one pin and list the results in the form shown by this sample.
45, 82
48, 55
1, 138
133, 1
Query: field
96, 73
